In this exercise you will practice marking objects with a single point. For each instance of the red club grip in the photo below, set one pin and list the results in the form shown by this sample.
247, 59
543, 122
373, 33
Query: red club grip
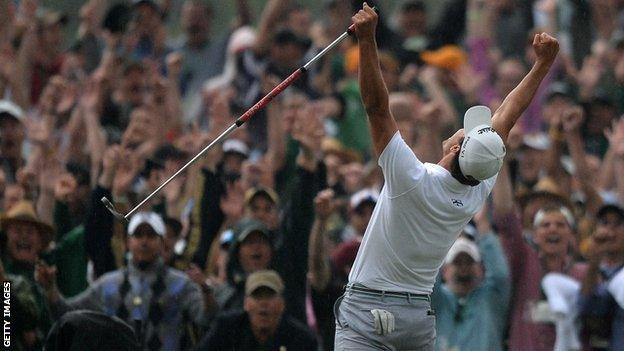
268, 97
351, 29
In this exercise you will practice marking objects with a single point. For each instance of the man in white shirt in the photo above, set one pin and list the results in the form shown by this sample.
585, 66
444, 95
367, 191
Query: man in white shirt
422, 207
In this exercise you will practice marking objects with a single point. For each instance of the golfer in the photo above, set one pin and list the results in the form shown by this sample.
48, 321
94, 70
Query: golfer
422, 207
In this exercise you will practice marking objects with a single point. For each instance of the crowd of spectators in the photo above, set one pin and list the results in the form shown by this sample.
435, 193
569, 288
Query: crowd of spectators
251, 246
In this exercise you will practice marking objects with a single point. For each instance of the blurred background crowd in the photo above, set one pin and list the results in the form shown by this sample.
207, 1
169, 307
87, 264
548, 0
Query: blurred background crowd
250, 247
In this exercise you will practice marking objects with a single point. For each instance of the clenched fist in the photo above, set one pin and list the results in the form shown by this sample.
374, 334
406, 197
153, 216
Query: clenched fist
546, 47
365, 22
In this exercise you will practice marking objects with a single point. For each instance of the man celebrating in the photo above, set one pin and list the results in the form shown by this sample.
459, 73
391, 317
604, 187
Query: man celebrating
421, 208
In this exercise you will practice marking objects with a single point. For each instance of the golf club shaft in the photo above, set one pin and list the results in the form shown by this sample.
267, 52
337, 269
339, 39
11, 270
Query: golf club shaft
247, 115
188, 164
293, 77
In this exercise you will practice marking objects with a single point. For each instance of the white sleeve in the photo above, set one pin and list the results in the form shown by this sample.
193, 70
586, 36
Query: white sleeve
616, 287
401, 168
490, 182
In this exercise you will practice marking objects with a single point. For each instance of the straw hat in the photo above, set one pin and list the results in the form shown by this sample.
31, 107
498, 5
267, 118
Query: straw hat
24, 212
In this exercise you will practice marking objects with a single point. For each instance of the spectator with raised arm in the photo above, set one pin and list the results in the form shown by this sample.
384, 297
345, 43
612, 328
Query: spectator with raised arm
532, 322
146, 291
476, 276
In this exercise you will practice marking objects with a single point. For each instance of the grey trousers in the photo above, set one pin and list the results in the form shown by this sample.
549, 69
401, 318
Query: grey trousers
355, 324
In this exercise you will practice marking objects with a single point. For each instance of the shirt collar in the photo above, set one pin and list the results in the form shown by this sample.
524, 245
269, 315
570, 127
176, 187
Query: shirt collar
447, 179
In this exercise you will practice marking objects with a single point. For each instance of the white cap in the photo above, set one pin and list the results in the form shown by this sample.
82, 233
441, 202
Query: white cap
153, 219
236, 145
8, 107
482, 152
366, 194
241, 39
463, 245
538, 141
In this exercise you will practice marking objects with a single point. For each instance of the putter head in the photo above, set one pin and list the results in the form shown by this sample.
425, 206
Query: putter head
111, 208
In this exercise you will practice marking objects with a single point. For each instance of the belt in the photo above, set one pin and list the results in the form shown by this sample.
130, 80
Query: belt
382, 293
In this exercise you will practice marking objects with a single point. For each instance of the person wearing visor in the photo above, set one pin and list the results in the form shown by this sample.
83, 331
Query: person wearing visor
422, 206
150, 296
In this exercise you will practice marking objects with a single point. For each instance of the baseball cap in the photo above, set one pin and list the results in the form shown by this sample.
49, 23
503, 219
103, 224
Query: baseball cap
257, 191
561, 89
610, 208
49, 17
332, 146
247, 226
150, 3
235, 146
241, 39
9, 108
364, 195
536, 141
463, 245
264, 279
152, 219
482, 152
449, 57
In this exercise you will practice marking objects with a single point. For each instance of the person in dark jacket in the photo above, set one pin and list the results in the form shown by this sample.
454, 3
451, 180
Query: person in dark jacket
262, 325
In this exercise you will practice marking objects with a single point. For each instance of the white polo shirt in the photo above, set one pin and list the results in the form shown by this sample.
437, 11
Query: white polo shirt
420, 212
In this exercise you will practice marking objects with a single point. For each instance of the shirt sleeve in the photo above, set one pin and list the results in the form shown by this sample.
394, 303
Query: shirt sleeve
497, 276
87, 300
401, 168
193, 302
490, 182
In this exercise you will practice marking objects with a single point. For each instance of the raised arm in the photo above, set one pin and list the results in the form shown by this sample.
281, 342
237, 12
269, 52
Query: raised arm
606, 176
270, 17
319, 272
546, 48
572, 120
372, 86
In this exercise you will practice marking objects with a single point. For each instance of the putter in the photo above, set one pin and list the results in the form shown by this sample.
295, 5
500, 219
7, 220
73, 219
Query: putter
239, 122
